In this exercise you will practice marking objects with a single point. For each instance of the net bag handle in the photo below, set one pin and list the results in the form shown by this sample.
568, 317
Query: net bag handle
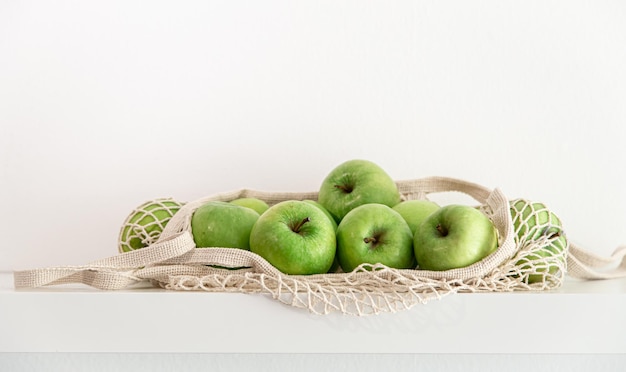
174, 252
115, 272
587, 265
581, 263
494, 201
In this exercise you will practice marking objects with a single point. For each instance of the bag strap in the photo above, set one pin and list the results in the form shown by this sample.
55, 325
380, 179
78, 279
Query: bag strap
176, 247
494, 200
419, 188
114, 272
586, 265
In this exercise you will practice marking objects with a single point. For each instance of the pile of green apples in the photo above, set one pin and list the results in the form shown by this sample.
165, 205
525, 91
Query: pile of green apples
358, 218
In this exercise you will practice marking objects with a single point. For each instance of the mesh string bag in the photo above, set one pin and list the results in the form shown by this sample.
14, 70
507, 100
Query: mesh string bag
533, 254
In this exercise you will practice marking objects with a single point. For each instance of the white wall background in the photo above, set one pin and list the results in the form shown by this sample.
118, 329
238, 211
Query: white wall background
104, 105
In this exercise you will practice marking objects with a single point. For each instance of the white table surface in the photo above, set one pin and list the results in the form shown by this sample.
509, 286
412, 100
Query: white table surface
580, 317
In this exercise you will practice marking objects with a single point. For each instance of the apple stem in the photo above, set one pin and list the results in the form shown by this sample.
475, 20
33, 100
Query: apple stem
370, 240
442, 230
297, 228
346, 189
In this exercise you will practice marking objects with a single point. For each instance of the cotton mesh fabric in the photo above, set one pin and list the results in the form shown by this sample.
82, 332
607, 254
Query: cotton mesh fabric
172, 262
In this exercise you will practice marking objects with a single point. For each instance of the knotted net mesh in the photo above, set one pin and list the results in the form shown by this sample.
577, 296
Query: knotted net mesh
542, 245
157, 246
537, 263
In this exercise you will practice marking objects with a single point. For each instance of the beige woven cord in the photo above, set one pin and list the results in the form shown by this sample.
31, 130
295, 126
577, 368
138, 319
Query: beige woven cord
172, 262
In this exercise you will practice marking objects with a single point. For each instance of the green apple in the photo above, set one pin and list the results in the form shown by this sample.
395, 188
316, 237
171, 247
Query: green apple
296, 237
354, 183
454, 236
374, 233
255, 204
533, 221
415, 212
224, 225
146, 223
